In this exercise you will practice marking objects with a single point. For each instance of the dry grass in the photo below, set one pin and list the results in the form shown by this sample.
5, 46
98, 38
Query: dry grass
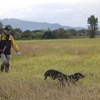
25, 79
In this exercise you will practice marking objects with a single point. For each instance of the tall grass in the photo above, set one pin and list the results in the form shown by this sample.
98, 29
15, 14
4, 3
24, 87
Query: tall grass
25, 78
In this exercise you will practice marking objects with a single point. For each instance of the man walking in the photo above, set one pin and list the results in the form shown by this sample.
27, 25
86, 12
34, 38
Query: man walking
6, 41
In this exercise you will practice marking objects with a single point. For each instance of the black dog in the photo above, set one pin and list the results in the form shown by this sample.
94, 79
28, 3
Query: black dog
62, 77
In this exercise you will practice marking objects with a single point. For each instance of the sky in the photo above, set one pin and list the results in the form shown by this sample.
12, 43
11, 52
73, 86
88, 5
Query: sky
64, 12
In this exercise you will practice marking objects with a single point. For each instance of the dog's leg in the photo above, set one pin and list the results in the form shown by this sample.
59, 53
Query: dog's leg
61, 80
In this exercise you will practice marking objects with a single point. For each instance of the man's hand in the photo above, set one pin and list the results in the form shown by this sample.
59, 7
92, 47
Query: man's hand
18, 53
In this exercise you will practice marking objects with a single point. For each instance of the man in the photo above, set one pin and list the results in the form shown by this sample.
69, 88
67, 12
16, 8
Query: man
6, 40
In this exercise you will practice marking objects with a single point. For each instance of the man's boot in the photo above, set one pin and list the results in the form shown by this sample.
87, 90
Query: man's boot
2, 68
7, 68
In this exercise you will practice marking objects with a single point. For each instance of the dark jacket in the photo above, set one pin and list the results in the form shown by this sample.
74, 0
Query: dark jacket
8, 41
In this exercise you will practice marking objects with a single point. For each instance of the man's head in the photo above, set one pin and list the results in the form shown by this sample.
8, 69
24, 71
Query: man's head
7, 30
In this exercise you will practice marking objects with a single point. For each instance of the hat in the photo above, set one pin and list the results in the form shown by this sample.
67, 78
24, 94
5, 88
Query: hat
7, 28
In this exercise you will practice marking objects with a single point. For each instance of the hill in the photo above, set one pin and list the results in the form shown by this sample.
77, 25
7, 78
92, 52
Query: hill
29, 25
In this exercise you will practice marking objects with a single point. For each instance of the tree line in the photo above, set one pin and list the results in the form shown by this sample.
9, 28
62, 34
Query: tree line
60, 33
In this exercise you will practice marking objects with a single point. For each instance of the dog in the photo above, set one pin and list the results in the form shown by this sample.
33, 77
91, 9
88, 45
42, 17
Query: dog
63, 78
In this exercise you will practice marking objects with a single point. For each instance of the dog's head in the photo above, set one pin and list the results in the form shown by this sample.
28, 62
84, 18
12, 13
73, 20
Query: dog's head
51, 73
47, 73
79, 75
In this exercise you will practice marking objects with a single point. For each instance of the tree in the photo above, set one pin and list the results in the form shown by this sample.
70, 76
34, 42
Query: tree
1, 25
1, 30
17, 36
18, 30
27, 34
62, 34
48, 35
73, 32
93, 27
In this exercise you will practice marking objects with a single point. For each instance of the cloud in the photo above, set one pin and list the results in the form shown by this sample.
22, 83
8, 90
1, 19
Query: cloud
65, 10
23, 3
28, 10
77, 15
21, 10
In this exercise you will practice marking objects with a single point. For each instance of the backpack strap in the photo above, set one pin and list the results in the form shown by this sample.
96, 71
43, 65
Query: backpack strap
1, 37
2, 50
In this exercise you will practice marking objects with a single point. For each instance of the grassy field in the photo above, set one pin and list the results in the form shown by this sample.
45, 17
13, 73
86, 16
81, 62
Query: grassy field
25, 78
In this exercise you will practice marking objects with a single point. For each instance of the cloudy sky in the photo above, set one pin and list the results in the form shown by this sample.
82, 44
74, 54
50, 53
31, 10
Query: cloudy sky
65, 12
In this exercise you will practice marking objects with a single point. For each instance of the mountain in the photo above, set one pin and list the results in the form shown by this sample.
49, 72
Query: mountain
29, 25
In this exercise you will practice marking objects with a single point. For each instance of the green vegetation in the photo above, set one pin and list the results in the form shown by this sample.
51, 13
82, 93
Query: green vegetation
93, 26
25, 78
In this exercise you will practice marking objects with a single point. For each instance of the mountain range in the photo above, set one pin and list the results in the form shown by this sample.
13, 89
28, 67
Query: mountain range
29, 25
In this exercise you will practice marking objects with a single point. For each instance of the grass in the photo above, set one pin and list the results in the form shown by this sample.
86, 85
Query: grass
25, 78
